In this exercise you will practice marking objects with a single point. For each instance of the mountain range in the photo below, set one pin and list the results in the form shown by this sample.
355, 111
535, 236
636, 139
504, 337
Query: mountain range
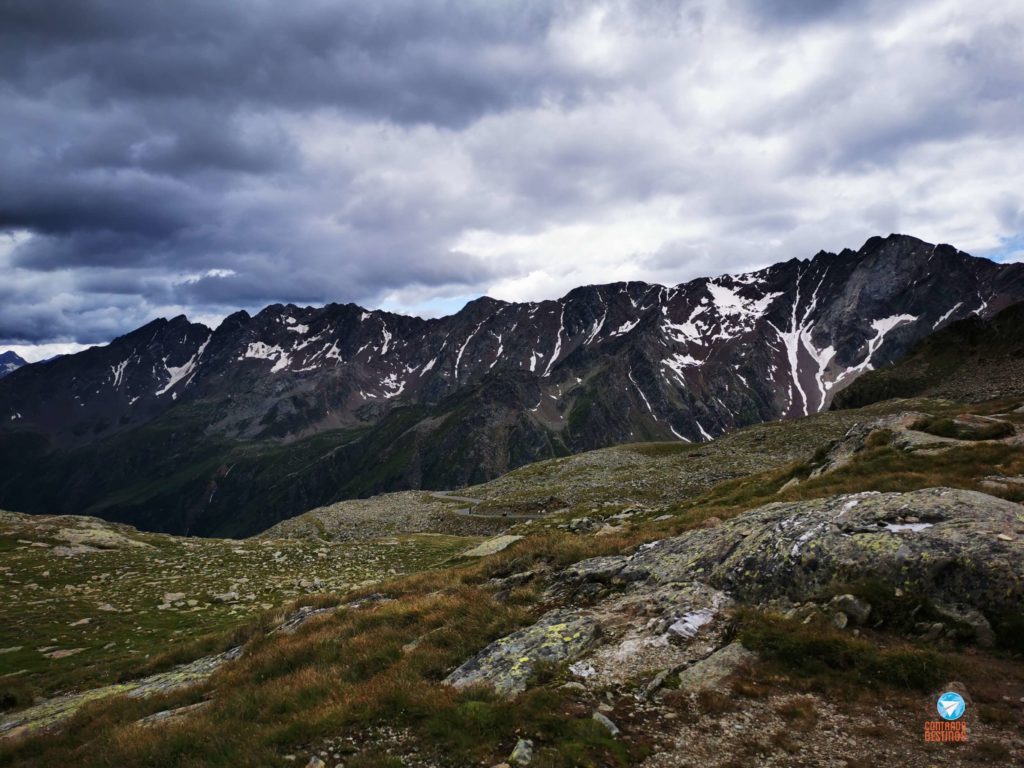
180, 428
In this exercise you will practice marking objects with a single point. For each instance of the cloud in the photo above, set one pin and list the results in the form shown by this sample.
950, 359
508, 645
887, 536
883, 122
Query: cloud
193, 157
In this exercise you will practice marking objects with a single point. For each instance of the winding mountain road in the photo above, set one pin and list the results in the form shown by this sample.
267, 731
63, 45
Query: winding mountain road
468, 511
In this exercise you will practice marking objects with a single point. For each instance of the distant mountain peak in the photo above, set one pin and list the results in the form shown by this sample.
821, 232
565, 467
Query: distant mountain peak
10, 362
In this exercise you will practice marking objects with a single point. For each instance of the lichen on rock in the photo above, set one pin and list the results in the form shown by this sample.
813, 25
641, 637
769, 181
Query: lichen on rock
940, 541
507, 664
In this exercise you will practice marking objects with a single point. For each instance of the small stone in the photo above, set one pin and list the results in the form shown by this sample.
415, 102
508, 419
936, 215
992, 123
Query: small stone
316, 762
840, 619
856, 610
226, 597
655, 684
63, 653
1005, 537
173, 597
79, 623
604, 720
583, 669
522, 754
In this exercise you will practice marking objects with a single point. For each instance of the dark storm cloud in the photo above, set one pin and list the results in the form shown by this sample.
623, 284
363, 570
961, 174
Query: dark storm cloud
199, 157
149, 134
404, 61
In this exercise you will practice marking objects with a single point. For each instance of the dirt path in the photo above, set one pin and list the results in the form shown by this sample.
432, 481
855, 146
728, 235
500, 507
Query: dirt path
468, 511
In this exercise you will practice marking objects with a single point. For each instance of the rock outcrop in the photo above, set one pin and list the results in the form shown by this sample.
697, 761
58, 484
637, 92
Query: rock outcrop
508, 663
956, 546
658, 609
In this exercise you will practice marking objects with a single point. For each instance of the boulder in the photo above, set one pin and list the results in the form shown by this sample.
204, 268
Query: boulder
596, 569
492, 546
710, 672
942, 542
507, 664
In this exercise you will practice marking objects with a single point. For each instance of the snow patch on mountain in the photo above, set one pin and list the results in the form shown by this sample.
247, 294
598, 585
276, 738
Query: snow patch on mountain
462, 349
882, 328
642, 395
392, 385
679, 362
625, 328
117, 371
182, 372
558, 344
259, 350
946, 316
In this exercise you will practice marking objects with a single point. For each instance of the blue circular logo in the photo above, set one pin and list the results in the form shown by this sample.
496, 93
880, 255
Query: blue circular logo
951, 706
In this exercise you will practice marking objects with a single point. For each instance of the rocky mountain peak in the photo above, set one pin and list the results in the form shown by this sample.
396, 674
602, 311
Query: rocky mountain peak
10, 362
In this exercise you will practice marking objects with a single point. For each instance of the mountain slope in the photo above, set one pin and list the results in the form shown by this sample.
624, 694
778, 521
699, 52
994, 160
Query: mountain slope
709, 621
10, 362
969, 360
177, 427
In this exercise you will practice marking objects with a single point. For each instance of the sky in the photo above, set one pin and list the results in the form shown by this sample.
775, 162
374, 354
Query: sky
193, 157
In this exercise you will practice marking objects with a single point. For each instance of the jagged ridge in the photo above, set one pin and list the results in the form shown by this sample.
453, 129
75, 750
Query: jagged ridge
368, 401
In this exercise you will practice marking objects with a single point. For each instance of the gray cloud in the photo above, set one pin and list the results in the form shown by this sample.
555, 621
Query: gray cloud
197, 157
